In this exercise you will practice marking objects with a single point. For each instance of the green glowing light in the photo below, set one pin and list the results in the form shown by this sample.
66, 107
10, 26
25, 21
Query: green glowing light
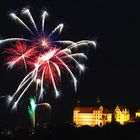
31, 110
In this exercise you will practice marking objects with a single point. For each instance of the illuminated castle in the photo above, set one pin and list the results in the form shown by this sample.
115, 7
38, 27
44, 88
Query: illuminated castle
91, 116
137, 114
99, 115
122, 116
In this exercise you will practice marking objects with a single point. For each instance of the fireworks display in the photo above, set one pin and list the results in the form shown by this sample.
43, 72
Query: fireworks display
43, 58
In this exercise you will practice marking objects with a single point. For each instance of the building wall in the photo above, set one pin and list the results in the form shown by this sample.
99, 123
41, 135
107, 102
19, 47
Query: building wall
97, 117
108, 118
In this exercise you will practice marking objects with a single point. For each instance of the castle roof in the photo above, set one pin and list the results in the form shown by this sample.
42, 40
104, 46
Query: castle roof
87, 109
91, 109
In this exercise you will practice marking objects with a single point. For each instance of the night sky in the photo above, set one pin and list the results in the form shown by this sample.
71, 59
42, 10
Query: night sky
113, 68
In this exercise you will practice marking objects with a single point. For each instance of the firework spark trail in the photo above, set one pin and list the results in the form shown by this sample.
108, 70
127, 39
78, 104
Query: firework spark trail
57, 69
72, 75
38, 81
32, 73
41, 89
28, 14
58, 28
45, 57
68, 51
65, 42
2, 41
82, 43
71, 56
44, 104
77, 45
25, 64
16, 102
19, 88
25, 80
54, 85
44, 15
76, 62
15, 17
79, 55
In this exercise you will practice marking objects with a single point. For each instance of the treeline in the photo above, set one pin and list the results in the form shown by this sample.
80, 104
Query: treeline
68, 131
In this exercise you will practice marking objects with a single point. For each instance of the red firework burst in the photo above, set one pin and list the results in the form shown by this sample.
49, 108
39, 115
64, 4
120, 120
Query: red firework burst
45, 57
51, 62
20, 54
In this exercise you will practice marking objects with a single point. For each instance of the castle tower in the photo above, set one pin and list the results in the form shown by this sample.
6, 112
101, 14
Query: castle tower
98, 102
78, 103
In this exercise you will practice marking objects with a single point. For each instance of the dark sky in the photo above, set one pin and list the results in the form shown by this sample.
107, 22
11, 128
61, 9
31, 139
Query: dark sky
113, 69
